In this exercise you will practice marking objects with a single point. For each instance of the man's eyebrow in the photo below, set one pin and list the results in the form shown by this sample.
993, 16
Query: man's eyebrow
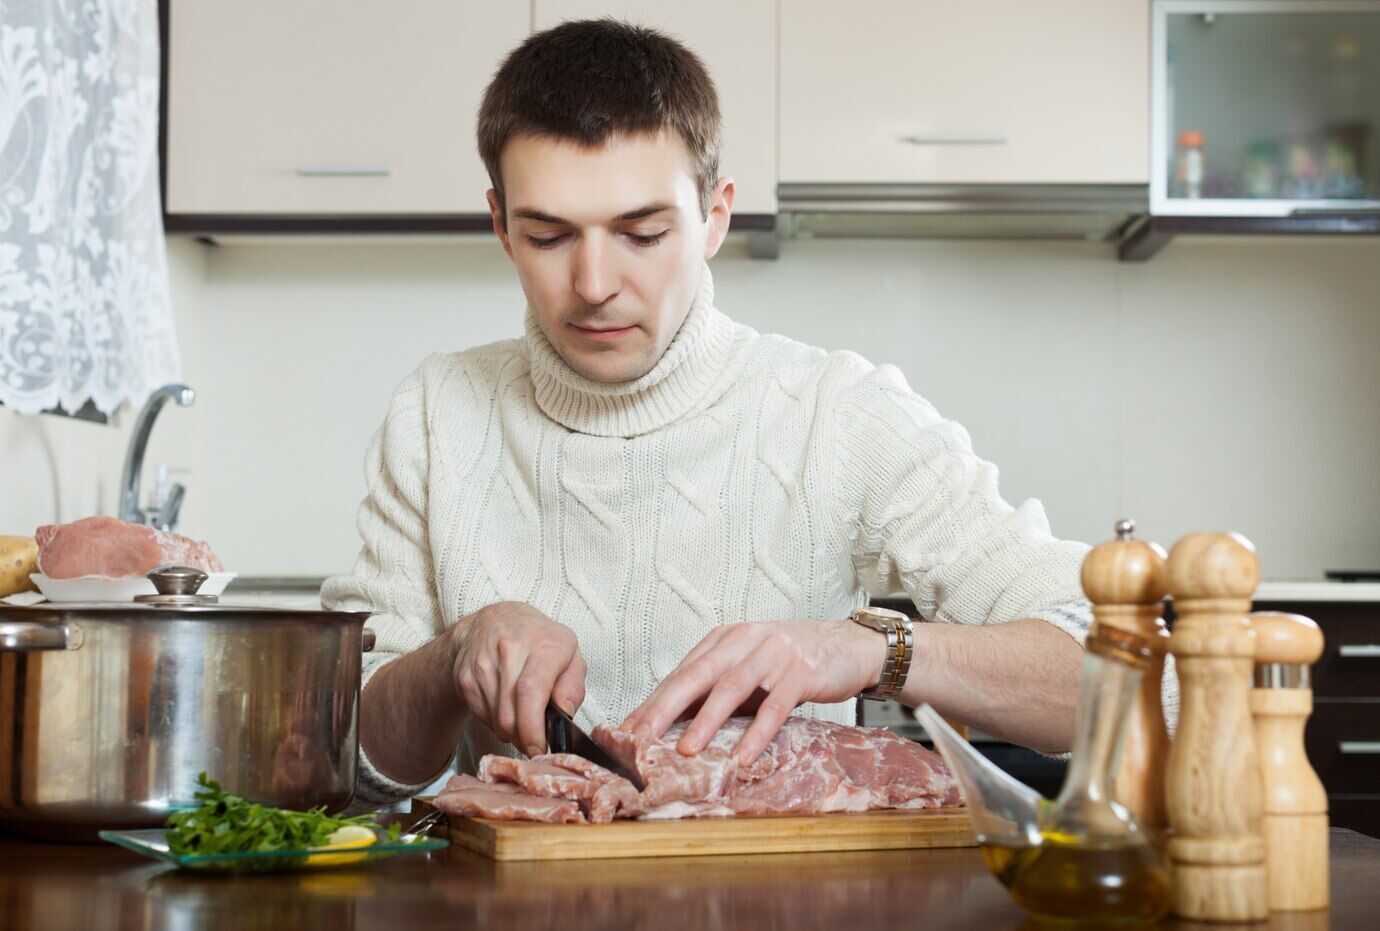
647, 211
529, 213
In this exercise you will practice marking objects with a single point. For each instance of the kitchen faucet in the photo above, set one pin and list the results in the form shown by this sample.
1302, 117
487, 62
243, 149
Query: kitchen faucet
164, 513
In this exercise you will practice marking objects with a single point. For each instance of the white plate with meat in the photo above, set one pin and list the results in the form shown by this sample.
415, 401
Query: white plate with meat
104, 559
89, 588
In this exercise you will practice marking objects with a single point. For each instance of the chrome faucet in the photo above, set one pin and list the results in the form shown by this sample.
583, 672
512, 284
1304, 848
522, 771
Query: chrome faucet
162, 514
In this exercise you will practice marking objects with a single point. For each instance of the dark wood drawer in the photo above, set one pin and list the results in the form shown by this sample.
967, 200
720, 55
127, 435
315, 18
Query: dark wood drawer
1357, 812
1350, 664
1343, 741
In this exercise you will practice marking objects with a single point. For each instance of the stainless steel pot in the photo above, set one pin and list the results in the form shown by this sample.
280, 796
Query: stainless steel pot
109, 711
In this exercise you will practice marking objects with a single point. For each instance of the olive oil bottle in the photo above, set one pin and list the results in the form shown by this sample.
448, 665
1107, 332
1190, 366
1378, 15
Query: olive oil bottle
1083, 859
1094, 864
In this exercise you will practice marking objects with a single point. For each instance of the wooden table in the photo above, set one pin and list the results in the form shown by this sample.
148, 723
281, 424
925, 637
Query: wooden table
96, 887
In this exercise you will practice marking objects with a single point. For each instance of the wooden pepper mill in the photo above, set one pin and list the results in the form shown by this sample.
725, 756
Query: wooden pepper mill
1212, 785
1295, 822
1125, 579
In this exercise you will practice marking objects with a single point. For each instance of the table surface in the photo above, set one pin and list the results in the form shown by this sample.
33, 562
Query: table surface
97, 887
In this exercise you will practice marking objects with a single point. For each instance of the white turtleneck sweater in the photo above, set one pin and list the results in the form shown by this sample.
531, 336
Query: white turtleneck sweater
745, 477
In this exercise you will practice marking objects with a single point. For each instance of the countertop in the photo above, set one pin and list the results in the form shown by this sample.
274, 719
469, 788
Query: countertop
98, 887
296, 587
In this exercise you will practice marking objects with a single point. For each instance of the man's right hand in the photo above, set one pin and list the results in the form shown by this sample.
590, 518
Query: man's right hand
510, 659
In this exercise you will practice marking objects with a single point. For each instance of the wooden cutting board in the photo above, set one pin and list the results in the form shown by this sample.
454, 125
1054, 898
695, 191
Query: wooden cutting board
872, 830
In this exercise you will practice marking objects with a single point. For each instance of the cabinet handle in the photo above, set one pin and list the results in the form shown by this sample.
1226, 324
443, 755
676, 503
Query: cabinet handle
1354, 747
955, 139
344, 171
1359, 649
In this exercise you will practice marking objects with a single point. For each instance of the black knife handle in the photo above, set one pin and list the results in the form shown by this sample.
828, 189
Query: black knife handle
557, 730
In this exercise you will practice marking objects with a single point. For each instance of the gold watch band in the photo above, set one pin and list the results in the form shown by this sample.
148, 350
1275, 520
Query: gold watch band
900, 646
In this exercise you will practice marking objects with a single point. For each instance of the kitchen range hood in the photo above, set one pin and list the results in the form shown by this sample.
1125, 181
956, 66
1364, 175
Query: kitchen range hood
973, 211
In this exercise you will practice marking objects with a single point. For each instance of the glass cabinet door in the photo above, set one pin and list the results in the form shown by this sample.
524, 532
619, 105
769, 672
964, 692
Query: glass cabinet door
1265, 107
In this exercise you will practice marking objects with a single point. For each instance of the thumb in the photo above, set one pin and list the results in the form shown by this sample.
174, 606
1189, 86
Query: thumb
569, 690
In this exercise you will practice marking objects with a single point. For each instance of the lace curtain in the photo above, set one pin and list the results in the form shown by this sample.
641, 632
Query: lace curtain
84, 310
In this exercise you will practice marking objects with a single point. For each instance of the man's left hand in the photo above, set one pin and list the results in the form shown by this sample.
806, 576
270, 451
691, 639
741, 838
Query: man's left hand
785, 663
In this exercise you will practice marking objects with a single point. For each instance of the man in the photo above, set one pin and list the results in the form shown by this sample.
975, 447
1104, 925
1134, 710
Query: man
641, 508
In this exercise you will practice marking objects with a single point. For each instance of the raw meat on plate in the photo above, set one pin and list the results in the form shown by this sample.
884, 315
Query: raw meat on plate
104, 546
810, 767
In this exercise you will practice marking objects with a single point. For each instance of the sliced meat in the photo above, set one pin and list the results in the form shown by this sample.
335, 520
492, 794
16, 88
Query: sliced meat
798, 773
694, 784
104, 546
810, 767
466, 796
601, 795
899, 772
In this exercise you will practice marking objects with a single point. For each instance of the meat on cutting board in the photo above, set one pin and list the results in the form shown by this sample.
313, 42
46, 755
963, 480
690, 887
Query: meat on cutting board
811, 767
468, 796
115, 549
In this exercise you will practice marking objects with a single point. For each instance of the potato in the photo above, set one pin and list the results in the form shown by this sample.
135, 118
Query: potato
18, 557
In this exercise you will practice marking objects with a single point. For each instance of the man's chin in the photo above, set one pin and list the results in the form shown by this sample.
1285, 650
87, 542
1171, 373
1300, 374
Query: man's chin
608, 369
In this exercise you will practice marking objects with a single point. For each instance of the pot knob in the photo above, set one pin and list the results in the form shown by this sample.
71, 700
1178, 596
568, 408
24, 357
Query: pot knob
176, 585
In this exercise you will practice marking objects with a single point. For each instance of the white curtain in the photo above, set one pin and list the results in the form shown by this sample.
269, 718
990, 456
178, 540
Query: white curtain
84, 311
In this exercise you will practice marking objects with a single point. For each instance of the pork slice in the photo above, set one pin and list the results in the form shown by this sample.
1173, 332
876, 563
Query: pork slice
798, 774
466, 796
683, 785
899, 773
602, 795
104, 546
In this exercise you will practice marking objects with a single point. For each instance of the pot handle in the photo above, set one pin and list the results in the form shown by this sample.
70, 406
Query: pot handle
27, 636
367, 641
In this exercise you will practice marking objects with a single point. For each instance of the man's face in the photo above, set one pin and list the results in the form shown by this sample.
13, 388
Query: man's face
608, 244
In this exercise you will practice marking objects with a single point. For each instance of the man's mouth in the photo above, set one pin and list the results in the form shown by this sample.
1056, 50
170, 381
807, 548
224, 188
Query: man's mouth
602, 334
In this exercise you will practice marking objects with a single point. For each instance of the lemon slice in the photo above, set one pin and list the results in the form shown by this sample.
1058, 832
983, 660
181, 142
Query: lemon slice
350, 837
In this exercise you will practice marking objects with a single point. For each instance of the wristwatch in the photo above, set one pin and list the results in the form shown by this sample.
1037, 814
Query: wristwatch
900, 645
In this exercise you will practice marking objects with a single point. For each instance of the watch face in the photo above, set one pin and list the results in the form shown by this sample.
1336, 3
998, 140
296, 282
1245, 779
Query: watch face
884, 612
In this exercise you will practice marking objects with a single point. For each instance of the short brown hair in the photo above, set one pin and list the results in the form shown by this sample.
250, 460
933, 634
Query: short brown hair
586, 80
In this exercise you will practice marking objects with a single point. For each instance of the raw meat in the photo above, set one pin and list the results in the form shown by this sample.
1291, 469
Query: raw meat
600, 794
114, 549
468, 796
809, 768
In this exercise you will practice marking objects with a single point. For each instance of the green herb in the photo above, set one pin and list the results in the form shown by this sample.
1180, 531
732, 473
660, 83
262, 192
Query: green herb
224, 823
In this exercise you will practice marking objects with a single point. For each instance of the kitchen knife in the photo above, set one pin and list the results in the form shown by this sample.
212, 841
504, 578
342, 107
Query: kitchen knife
564, 736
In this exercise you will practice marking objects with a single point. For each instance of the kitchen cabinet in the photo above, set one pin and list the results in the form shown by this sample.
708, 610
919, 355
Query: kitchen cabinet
328, 107
737, 43
1343, 735
980, 92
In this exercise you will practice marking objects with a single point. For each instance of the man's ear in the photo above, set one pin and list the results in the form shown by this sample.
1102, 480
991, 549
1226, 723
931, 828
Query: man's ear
496, 213
720, 209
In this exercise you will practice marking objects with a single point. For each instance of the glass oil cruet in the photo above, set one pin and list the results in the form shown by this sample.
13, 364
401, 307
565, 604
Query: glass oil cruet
1082, 859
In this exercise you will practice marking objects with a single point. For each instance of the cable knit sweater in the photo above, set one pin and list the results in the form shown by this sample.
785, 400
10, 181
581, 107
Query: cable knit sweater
745, 477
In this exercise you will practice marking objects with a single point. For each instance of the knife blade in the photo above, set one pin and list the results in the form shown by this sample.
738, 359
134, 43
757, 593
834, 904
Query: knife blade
564, 736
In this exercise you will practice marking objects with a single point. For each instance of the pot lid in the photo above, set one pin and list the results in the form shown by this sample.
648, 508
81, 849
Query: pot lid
176, 590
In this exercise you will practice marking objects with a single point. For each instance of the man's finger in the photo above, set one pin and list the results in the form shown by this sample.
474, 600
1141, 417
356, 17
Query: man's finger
530, 695
510, 663
729, 692
687, 685
569, 690
639, 713
771, 715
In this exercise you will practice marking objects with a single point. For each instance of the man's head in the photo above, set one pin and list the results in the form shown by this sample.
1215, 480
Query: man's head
602, 142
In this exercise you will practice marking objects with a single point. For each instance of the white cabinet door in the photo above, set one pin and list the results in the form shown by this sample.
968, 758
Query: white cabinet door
736, 39
965, 91
331, 106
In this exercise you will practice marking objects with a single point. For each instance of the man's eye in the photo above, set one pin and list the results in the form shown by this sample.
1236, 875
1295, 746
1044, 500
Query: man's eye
651, 240
545, 242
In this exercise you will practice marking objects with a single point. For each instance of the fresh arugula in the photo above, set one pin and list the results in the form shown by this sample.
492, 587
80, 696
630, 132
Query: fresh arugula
225, 823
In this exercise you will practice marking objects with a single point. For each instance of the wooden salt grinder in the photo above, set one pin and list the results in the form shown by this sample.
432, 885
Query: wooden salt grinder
1295, 801
1212, 786
1125, 580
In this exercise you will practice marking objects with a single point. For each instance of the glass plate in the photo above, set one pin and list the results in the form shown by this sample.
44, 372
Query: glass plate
151, 843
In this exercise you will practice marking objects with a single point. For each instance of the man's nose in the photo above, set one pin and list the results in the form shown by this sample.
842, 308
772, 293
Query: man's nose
596, 273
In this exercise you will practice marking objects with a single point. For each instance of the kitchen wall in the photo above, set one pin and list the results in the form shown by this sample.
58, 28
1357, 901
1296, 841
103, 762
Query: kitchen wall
1228, 383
